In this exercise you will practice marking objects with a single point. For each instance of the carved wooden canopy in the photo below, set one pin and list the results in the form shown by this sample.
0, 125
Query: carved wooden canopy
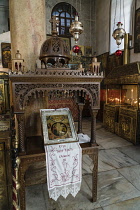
60, 83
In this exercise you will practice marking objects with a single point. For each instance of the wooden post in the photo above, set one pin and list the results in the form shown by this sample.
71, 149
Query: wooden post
80, 106
21, 132
93, 127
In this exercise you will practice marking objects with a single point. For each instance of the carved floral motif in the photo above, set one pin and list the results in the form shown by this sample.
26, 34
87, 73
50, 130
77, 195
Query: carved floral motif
24, 91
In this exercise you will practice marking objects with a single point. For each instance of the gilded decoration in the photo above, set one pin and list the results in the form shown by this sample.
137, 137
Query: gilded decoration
125, 74
125, 126
6, 54
3, 179
122, 120
121, 111
137, 31
109, 117
2, 95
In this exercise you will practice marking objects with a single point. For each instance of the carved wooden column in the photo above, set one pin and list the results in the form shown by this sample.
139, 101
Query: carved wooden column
6, 88
93, 127
21, 132
80, 106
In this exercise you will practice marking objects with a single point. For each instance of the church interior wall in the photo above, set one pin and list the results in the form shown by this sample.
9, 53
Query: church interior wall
134, 56
4, 37
4, 15
102, 26
87, 14
137, 4
27, 34
95, 16
32, 31
4, 33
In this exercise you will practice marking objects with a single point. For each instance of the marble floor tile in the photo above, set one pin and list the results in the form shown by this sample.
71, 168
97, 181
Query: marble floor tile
35, 198
132, 151
118, 179
114, 188
112, 159
132, 204
100, 132
50, 203
103, 165
132, 174
82, 201
114, 142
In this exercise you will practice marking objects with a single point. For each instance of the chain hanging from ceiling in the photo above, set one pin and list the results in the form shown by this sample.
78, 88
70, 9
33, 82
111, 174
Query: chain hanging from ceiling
119, 32
76, 29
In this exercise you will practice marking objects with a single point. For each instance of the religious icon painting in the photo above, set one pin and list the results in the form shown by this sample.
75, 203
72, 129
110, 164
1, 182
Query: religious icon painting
82, 50
6, 54
137, 31
88, 51
58, 126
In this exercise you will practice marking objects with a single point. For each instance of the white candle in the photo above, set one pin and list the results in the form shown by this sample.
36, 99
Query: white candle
132, 94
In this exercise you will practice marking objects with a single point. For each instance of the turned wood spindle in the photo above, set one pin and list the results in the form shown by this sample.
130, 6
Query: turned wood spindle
80, 106
93, 127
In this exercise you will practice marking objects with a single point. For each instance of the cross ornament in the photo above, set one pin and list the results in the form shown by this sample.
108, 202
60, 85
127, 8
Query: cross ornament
54, 22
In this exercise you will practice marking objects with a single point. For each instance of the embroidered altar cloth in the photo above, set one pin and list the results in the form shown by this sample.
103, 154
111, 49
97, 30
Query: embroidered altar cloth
63, 164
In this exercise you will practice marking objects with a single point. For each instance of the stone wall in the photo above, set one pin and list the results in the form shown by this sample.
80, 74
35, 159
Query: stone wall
134, 56
19, 25
4, 37
95, 16
86, 11
4, 15
87, 14
27, 27
102, 26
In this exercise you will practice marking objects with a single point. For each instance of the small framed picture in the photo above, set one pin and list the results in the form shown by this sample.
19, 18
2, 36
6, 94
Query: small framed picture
6, 54
88, 51
82, 51
137, 31
58, 126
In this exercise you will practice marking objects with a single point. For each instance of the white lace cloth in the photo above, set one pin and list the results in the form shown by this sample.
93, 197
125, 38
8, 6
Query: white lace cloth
83, 138
63, 164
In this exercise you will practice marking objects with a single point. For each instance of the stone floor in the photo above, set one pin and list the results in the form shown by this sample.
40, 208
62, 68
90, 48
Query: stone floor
118, 179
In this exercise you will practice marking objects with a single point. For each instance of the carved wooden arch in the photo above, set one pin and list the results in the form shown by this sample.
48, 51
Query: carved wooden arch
24, 91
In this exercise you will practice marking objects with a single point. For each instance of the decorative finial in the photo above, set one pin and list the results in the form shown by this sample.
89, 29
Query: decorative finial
54, 22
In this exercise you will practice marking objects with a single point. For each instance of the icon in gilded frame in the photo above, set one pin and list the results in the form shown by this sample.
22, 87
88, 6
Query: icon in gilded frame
58, 126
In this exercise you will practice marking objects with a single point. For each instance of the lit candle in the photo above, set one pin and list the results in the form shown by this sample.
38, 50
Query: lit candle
132, 94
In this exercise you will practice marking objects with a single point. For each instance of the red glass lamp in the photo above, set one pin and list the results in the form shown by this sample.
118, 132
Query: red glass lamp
76, 49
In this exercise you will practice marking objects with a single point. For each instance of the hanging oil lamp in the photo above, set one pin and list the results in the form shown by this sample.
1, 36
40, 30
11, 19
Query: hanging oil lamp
76, 29
118, 35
